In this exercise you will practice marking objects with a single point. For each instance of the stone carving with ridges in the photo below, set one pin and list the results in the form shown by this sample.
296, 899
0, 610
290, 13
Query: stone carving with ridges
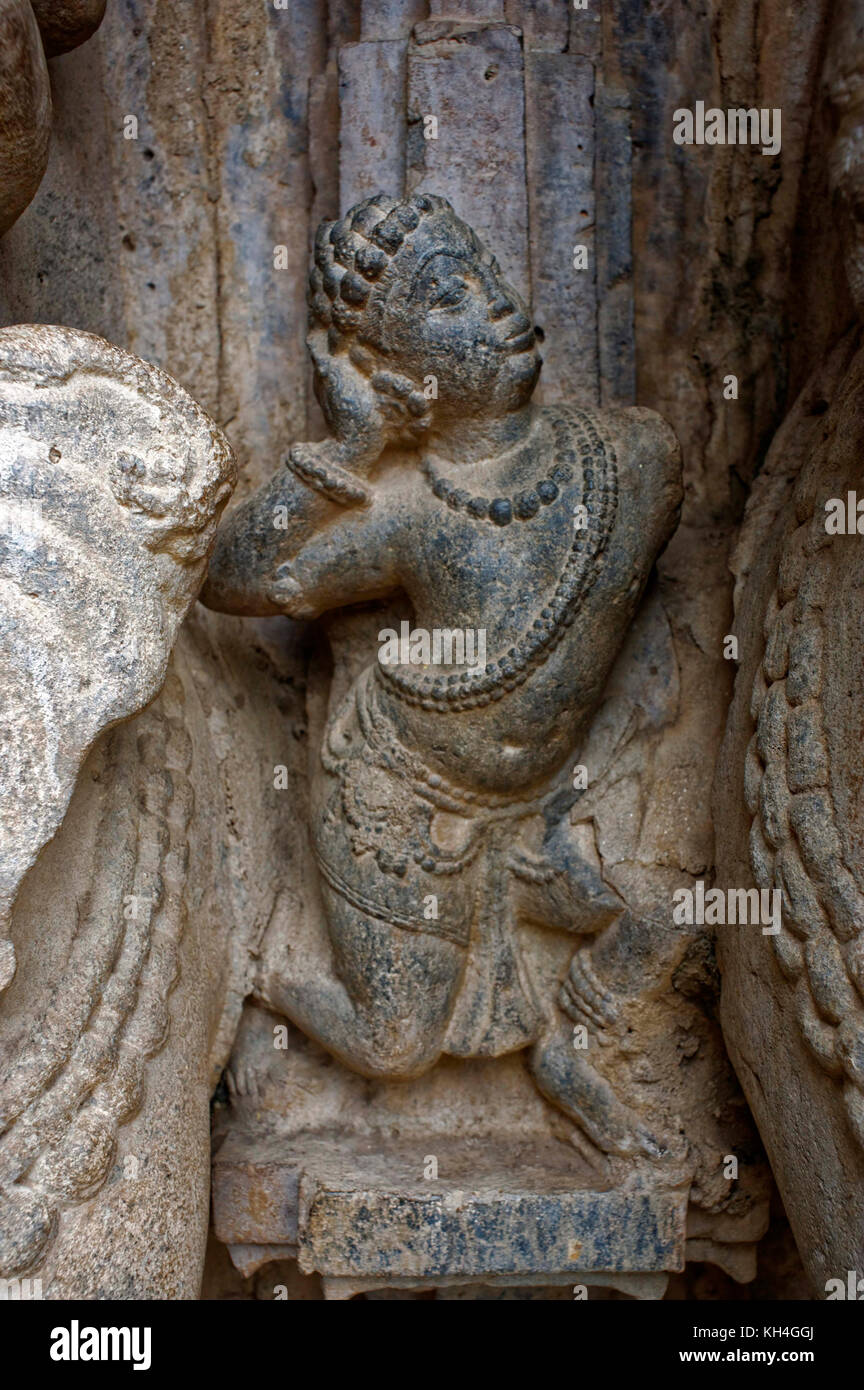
113, 480
795, 843
112, 483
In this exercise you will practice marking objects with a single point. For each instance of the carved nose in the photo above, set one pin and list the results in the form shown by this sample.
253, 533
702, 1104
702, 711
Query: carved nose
521, 326
501, 307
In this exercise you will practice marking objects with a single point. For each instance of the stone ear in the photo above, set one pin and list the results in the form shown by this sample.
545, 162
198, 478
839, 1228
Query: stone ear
93, 586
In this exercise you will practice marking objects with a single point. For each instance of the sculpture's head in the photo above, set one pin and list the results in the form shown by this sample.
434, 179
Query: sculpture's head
407, 292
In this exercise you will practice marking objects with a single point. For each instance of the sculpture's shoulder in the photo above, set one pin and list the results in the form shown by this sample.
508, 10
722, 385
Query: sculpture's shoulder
636, 435
641, 457
646, 447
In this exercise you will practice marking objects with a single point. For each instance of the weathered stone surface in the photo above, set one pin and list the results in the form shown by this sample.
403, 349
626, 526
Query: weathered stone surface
491, 11
304, 1137
166, 244
113, 481
559, 127
367, 1230
390, 19
132, 1015
254, 179
787, 798
479, 151
372, 123
544, 23
25, 109
586, 33
30, 30
791, 1008
616, 346
65, 24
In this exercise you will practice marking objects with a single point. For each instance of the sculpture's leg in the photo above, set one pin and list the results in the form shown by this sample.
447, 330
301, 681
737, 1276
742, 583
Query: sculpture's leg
565, 1065
383, 1000
567, 1068
567, 1079
378, 987
563, 886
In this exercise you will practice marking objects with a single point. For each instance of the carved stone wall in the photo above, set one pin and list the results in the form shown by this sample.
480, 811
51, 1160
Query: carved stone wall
194, 150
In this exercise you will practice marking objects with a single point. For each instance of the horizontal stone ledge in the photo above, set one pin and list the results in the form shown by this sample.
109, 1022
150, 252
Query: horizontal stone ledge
364, 1216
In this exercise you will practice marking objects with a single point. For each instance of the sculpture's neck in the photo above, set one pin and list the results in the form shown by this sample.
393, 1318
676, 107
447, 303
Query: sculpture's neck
465, 442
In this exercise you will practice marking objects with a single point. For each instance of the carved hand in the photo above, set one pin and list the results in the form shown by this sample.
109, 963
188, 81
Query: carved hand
353, 412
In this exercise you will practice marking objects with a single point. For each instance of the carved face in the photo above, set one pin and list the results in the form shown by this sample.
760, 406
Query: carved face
450, 313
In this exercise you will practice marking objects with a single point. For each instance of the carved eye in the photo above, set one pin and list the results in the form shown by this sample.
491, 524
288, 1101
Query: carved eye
450, 295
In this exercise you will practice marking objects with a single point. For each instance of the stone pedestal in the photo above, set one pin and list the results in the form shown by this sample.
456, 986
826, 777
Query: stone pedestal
362, 1215
424, 1184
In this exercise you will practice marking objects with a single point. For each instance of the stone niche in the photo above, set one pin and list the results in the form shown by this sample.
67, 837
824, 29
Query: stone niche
324, 975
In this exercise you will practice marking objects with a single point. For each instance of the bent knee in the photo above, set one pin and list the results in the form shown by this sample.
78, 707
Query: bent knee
396, 1059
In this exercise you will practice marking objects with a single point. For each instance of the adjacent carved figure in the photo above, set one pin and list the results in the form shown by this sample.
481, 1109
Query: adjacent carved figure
112, 480
788, 789
442, 794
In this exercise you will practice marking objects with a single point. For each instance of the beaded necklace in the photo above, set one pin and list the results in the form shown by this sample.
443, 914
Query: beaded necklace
502, 510
471, 688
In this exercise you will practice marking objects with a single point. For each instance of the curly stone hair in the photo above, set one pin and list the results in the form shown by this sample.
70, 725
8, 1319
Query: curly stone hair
353, 257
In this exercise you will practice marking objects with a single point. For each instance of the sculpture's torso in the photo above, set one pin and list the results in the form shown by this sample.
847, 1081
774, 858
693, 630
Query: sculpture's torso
461, 572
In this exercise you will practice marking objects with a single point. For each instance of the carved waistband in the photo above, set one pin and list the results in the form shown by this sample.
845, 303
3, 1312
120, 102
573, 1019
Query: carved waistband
441, 792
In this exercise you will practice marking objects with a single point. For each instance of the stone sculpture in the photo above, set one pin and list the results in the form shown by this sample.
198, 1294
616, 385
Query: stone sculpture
112, 483
157, 494
787, 800
443, 801
539, 528
404, 925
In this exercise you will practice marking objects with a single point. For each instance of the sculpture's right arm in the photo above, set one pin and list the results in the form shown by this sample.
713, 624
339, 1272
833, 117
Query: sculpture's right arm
301, 547
256, 539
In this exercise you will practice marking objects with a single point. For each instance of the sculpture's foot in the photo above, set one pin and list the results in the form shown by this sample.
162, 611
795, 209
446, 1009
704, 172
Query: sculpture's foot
566, 1066
570, 1082
560, 882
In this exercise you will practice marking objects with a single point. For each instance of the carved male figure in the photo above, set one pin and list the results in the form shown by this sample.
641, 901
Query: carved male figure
441, 795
